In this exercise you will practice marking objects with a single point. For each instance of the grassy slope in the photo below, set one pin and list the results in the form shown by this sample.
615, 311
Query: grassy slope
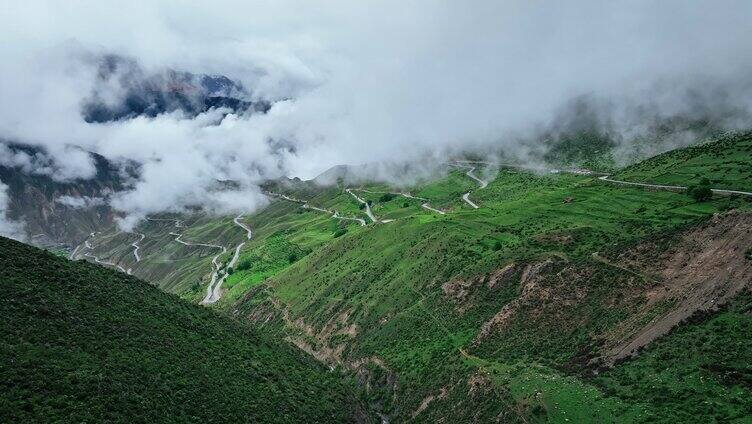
724, 161
702, 369
387, 279
84, 343
174, 267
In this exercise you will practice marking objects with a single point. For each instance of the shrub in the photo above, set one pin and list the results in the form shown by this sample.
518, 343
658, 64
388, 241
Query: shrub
386, 197
244, 265
701, 193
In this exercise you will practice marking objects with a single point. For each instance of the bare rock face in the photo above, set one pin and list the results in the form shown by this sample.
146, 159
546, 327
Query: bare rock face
501, 275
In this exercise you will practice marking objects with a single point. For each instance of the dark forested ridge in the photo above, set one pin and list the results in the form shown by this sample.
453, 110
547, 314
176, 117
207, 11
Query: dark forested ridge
81, 343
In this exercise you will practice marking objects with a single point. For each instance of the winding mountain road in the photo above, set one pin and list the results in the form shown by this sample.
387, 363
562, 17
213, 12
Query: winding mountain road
136, 246
216, 266
425, 205
466, 198
605, 178
247, 229
469, 173
333, 213
219, 273
101, 262
482, 183
361, 221
214, 291
96, 259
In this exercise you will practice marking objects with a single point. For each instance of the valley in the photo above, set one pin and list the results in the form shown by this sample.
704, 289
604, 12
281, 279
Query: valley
522, 303
376, 213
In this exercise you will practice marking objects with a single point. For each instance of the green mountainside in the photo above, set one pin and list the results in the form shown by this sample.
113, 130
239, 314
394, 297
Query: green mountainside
81, 343
494, 313
725, 161
494, 293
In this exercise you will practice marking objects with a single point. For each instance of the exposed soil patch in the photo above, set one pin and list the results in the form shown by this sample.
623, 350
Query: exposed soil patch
459, 290
479, 385
530, 288
428, 399
703, 269
560, 238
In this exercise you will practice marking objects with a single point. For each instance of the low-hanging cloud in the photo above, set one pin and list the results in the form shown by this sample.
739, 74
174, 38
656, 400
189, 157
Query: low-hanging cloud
356, 82
9, 227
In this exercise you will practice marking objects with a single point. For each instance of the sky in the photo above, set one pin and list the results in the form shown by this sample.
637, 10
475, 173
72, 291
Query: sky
353, 82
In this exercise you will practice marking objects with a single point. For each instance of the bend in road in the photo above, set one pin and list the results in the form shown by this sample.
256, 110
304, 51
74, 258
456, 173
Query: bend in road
136, 246
333, 213
426, 205
466, 198
370, 214
469, 173
96, 259
214, 291
361, 221
101, 262
216, 267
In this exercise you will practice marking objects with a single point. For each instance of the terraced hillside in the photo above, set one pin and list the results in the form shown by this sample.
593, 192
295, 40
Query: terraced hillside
81, 343
494, 293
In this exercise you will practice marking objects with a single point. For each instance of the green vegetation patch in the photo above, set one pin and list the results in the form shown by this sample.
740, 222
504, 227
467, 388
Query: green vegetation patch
724, 161
265, 260
701, 369
81, 343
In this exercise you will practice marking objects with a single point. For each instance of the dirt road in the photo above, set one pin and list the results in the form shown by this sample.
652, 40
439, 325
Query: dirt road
425, 205
481, 183
136, 246
370, 214
607, 178
466, 198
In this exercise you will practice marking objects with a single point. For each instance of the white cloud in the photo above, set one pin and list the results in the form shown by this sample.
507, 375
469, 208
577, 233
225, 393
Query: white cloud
9, 227
365, 81
81, 202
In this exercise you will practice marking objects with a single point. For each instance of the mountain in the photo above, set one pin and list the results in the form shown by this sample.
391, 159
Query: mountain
490, 293
724, 161
141, 93
57, 212
496, 293
82, 343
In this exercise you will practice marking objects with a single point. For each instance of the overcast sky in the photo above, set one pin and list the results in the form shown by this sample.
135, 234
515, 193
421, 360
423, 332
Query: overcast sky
365, 81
